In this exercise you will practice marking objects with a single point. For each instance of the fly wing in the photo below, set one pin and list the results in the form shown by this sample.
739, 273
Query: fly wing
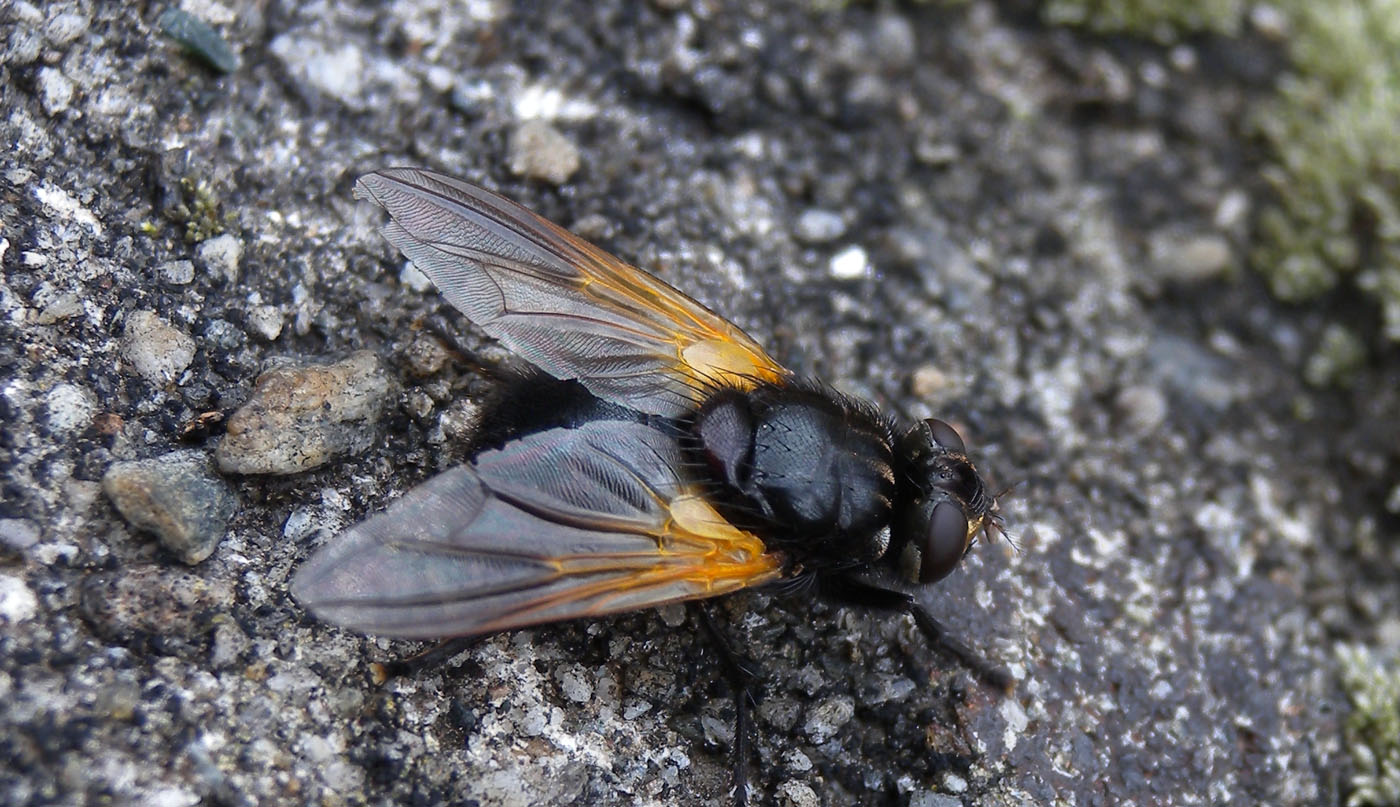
560, 524
571, 309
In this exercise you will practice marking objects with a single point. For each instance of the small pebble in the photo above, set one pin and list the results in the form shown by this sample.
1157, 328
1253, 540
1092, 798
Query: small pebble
265, 321
426, 355
18, 533
55, 90
472, 98
412, 277
302, 415
895, 43
930, 384
593, 227
199, 39
954, 783
575, 684
1183, 58
539, 151
157, 350
850, 263
338, 70
1232, 212
867, 95
793, 793
935, 152
60, 308
229, 643
1269, 20
927, 799
419, 404
176, 497
826, 718
1186, 368
65, 27
24, 45
886, 688
71, 408
1190, 258
440, 78
717, 732
222, 334
796, 761
221, 255
673, 615
1142, 408
176, 273
817, 226
118, 700
17, 601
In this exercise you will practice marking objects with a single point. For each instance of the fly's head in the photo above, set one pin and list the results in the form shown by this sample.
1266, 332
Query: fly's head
945, 502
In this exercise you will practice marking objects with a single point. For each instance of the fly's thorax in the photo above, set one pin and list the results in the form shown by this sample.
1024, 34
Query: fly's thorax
811, 470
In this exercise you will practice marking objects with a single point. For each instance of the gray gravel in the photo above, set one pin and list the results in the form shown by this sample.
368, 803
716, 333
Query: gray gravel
950, 211
177, 497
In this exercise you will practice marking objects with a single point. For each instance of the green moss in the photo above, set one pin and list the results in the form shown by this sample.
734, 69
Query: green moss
1372, 730
1334, 133
197, 211
1162, 20
1337, 359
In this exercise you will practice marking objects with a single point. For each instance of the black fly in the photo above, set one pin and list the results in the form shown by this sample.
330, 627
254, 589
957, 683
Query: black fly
659, 455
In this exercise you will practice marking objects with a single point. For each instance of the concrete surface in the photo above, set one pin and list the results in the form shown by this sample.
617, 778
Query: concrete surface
1026, 231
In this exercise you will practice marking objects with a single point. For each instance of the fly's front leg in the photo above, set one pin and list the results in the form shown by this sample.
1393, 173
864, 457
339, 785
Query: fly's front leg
854, 591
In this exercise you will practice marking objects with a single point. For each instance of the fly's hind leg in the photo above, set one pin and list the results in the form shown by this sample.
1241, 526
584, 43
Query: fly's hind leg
432, 657
742, 675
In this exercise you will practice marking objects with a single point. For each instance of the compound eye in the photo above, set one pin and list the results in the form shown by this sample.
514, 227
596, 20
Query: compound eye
945, 435
944, 543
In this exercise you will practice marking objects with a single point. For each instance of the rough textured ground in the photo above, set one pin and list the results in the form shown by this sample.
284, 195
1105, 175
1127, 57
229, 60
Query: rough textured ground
957, 212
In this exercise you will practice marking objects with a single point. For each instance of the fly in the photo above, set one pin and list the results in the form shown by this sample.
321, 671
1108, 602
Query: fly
656, 454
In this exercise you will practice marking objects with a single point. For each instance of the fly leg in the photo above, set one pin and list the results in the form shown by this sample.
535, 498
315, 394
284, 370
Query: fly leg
854, 591
741, 675
422, 660
464, 354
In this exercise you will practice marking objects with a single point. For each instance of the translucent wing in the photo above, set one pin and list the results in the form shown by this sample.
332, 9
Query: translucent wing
573, 310
560, 524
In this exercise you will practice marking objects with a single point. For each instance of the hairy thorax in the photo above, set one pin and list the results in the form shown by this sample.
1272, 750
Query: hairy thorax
812, 468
